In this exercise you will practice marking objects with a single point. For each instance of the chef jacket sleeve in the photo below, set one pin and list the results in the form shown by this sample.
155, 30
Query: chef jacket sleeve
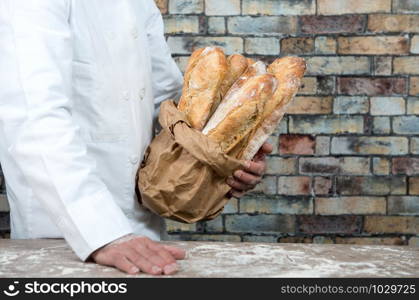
167, 78
37, 126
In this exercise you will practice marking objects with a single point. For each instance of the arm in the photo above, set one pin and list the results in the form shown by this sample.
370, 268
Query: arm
37, 128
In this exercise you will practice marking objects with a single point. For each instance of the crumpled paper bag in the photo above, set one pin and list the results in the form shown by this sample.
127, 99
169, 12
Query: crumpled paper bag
183, 174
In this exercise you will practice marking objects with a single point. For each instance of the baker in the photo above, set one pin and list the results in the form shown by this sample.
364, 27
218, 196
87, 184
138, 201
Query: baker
80, 87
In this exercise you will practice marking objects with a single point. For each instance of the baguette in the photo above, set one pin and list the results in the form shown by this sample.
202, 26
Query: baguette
201, 88
237, 64
233, 97
288, 71
243, 117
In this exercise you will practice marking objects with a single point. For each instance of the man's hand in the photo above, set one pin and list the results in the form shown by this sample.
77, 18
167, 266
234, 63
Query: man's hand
133, 254
246, 179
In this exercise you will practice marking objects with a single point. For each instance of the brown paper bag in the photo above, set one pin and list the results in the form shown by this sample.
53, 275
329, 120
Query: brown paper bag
182, 176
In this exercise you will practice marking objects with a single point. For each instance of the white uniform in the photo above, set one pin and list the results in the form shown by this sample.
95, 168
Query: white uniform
80, 82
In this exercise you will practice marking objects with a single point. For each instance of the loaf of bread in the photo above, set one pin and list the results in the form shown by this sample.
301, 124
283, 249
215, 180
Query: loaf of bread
245, 112
201, 91
288, 72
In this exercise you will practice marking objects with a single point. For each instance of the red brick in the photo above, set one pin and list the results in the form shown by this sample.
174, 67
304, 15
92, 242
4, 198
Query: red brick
333, 24
371, 86
296, 144
406, 165
329, 224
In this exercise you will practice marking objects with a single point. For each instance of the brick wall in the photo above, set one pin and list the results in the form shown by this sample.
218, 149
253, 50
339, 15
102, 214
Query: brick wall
345, 168
346, 163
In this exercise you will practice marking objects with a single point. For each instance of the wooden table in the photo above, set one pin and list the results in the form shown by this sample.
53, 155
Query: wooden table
53, 258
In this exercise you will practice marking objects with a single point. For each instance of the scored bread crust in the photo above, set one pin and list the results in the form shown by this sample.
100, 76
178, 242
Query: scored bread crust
289, 72
202, 81
237, 65
233, 98
243, 118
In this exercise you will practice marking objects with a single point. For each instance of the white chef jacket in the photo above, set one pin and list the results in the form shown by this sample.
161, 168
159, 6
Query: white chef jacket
80, 81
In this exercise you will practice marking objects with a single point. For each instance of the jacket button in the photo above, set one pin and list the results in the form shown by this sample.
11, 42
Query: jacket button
134, 33
134, 159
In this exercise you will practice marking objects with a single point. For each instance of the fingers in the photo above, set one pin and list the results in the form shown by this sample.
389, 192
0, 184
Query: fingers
238, 185
255, 167
247, 178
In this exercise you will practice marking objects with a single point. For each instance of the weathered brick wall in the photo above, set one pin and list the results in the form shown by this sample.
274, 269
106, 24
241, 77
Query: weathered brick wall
345, 168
